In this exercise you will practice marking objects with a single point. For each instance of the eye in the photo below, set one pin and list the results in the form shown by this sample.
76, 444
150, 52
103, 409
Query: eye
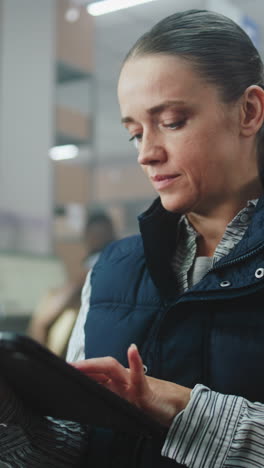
136, 139
174, 125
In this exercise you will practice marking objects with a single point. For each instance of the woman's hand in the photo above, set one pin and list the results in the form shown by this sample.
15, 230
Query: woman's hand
159, 398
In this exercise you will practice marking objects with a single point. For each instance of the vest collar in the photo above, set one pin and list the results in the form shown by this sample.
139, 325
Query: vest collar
158, 228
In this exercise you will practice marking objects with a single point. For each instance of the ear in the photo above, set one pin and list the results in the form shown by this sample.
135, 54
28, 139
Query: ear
252, 110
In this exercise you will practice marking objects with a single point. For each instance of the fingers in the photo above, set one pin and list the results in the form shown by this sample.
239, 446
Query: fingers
128, 383
104, 368
161, 399
99, 377
137, 376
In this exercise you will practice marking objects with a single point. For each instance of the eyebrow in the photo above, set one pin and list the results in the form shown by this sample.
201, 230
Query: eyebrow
156, 109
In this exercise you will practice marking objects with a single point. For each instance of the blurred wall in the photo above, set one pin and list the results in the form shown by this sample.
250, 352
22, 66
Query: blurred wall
26, 130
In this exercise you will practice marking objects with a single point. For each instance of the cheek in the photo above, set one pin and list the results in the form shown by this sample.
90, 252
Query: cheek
199, 150
197, 163
144, 168
187, 155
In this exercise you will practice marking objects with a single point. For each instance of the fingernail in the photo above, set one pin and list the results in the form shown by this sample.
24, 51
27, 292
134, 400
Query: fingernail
133, 345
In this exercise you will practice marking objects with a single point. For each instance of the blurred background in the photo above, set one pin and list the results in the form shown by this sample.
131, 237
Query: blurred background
63, 151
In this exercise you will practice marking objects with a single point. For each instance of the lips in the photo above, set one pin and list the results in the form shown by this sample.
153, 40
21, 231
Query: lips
162, 181
158, 178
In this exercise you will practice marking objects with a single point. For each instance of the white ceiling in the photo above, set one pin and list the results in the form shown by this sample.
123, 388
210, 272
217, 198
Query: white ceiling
115, 34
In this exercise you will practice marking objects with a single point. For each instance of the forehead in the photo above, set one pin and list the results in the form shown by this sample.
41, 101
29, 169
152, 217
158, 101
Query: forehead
149, 80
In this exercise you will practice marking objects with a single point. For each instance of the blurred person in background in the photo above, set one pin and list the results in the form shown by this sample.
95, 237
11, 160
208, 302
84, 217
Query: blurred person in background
55, 315
188, 291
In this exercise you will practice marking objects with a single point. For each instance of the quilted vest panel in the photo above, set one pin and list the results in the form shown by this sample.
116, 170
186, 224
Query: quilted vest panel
203, 336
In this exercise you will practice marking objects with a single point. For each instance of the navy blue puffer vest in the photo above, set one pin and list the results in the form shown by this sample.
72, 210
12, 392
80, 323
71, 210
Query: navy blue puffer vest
213, 334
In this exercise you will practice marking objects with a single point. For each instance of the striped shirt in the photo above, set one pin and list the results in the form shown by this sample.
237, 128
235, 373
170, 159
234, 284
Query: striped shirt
214, 430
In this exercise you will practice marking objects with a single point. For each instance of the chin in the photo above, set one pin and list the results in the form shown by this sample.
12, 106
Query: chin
169, 203
175, 205
172, 207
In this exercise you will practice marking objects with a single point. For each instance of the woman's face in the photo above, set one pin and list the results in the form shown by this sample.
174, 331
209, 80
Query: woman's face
188, 140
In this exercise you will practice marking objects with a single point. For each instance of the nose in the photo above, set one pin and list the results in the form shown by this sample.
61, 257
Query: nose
151, 152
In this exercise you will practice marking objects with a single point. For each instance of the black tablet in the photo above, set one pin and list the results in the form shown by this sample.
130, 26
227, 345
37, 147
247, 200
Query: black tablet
52, 387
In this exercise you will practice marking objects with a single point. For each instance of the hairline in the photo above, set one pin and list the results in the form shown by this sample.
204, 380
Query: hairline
188, 58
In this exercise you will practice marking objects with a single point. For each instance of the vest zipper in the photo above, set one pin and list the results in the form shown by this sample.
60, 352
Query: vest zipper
237, 259
169, 305
173, 304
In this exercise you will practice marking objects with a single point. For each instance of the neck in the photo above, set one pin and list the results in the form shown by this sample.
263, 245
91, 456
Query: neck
212, 220
211, 227
210, 232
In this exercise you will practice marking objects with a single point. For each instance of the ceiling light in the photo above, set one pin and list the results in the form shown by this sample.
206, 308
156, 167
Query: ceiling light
63, 152
108, 6
72, 14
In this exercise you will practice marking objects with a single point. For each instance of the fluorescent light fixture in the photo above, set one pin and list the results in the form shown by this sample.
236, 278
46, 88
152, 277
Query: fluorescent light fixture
108, 6
63, 152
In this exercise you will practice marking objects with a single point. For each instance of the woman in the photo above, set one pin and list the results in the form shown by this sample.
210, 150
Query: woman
188, 291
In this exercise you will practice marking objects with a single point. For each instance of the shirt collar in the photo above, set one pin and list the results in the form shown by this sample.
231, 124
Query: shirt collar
242, 219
